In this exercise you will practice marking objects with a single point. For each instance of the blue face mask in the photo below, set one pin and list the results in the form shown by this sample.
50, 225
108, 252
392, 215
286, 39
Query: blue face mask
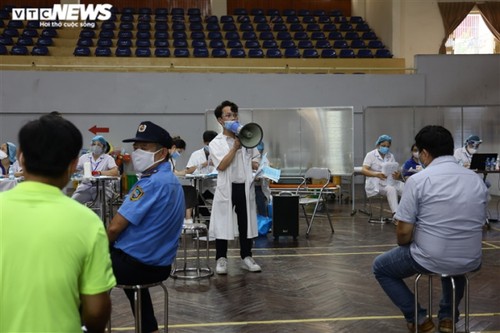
231, 125
383, 150
175, 154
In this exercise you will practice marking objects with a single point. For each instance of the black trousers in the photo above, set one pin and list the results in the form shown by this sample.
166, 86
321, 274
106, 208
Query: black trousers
240, 204
129, 271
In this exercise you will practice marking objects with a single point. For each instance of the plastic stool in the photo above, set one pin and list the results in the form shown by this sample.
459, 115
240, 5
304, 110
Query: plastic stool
429, 310
137, 304
381, 219
195, 229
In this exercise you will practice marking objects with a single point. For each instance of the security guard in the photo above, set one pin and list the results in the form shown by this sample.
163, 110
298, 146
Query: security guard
147, 227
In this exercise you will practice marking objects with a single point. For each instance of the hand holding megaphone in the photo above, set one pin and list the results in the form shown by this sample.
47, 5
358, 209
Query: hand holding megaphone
250, 135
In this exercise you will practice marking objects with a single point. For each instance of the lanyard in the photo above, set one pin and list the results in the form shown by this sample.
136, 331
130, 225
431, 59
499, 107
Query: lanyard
99, 160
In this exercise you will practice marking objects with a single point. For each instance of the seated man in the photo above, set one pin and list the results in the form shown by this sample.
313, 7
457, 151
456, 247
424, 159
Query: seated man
464, 154
440, 219
145, 232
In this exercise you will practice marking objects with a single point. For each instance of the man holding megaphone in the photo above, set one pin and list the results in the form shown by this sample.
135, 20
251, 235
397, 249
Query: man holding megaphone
233, 156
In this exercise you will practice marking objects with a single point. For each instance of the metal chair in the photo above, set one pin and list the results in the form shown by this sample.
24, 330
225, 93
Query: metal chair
380, 219
429, 307
314, 194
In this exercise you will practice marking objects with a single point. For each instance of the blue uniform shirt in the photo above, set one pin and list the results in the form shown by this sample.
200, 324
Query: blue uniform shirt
155, 211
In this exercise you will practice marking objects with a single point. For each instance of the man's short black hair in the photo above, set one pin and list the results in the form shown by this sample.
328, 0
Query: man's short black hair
209, 136
49, 144
437, 140
218, 109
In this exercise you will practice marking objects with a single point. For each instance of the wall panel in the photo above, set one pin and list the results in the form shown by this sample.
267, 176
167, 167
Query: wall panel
343, 5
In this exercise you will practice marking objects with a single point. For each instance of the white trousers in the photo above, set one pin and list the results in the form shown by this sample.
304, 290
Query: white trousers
392, 193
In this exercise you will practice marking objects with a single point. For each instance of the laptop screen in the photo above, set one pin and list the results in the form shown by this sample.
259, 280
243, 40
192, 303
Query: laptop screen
478, 161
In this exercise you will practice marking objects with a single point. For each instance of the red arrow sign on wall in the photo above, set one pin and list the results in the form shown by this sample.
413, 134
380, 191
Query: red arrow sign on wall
94, 129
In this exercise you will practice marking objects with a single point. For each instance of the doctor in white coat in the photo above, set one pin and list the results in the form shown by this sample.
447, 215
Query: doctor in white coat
234, 209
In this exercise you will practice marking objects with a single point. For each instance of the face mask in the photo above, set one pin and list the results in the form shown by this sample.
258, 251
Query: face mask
472, 151
415, 154
3, 155
383, 150
96, 150
143, 160
420, 161
176, 155
230, 125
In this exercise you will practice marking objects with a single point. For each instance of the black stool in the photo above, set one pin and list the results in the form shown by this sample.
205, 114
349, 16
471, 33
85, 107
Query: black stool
137, 304
195, 229
429, 310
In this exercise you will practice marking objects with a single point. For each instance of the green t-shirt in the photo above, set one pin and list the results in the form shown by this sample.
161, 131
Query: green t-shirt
52, 249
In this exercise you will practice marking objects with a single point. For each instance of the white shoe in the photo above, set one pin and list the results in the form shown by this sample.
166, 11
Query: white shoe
221, 268
188, 221
250, 265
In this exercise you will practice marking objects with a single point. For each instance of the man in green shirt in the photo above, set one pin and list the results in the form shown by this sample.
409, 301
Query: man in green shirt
55, 267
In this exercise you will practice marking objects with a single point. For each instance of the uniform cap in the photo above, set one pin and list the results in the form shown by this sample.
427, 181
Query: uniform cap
150, 132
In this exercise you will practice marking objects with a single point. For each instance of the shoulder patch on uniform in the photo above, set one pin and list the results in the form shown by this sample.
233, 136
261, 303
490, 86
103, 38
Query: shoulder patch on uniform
137, 193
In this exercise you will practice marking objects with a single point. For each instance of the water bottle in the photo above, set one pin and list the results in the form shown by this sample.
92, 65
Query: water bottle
11, 173
497, 166
489, 162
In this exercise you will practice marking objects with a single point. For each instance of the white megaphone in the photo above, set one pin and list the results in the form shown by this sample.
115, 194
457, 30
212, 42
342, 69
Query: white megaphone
250, 135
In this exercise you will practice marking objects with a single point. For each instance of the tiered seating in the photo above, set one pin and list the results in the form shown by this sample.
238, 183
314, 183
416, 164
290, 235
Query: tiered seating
185, 33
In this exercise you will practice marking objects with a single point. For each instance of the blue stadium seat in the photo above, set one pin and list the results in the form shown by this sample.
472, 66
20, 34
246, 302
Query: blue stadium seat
178, 27
255, 53
145, 11
335, 35
10, 32
161, 11
328, 27
180, 43
328, 53
224, 19
3, 49
301, 35
232, 35
179, 35
234, 44
161, 18
310, 53
125, 34
362, 27
229, 26
364, 53
219, 53
340, 44
256, 11
106, 34
106, 42
194, 11
345, 27
357, 44
283, 35
143, 52
197, 35
263, 27
85, 42
143, 35
144, 18
126, 26
144, 26
198, 43
276, 19
216, 44
252, 44
161, 43
280, 27
240, 11
108, 25
128, 11
127, 18
243, 19
249, 35
340, 19
178, 19
292, 19
25, 41
324, 19
44, 41
162, 52
237, 53
269, 44
369, 35
102, 52
296, 27
31, 33
161, 26
195, 19
15, 24
4, 14
323, 44
195, 27
181, 53
124, 42
213, 27
273, 53
177, 11
319, 12
266, 35
375, 44
123, 52
318, 35
383, 53
81, 51
286, 44
308, 19
259, 19
143, 43
200, 52
351, 35
289, 12
356, 19
40, 51
6, 40
212, 19
304, 12
292, 53
213, 35
246, 27
347, 53
273, 12
49, 32
161, 35
305, 44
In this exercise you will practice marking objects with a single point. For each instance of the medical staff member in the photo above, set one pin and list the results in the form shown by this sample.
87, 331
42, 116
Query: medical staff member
464, 154
235, 189
147, 227
101, 164
376, 180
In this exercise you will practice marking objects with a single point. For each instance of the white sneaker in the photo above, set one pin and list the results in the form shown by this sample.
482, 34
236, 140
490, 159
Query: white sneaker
221, 268
250, 265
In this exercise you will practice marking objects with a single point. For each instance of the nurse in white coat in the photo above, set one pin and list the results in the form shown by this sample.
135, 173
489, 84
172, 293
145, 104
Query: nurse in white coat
233, 210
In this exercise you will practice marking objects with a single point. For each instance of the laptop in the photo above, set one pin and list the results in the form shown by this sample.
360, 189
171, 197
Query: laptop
478, 160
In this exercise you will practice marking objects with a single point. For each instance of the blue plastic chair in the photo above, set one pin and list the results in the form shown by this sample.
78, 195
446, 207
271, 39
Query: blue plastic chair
40, 51
274, 53
237, 53
292, 53
200, 52
102, 52
255, 53
310, 53
143, 52
328, 53
162, 52
181, 53
123, 52
81, 51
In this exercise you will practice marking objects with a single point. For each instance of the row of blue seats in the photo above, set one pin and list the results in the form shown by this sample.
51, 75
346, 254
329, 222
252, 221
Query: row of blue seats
26, 41
38, 50
231, 44
233, 53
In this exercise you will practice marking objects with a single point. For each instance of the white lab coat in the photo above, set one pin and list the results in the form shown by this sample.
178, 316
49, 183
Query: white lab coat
223, 223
